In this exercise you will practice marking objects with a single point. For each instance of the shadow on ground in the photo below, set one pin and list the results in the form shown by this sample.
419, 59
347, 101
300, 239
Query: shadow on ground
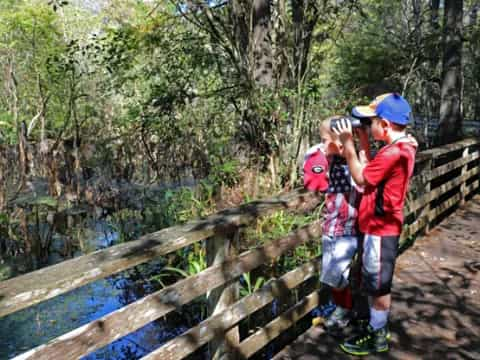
436, 299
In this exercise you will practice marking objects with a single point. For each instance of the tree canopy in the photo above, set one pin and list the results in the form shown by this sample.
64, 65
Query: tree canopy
166, 90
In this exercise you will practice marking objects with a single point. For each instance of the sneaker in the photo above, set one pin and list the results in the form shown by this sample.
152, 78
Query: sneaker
338, 320
359, 326
321, 313
368, 342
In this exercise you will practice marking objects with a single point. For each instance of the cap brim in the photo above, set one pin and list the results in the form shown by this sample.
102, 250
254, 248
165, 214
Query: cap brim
363, 111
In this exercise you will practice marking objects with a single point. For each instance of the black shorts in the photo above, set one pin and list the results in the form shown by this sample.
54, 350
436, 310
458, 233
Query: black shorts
378, 255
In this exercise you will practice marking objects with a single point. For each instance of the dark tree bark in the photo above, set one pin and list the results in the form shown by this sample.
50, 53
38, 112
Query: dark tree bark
305, 15
434, 6
262, 46
450, 125
417, 16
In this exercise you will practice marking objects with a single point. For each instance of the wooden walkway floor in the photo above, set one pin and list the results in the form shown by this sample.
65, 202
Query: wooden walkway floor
436, 298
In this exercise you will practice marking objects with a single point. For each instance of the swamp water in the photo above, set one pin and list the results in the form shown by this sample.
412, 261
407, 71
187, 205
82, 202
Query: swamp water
38, 324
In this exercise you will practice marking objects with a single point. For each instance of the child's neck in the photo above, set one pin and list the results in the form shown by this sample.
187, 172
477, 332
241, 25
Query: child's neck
394, 136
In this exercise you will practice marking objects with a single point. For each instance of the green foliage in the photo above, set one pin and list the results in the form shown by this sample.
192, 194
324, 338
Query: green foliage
471, 70
30, 37
224, 172
3, 219
8, 133
179, 206
280, 224
129, 224
374, 51
192, 260
5, 271
248, 287
31, 200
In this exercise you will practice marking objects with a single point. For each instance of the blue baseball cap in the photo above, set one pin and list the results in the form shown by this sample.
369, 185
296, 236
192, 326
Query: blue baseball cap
392, 107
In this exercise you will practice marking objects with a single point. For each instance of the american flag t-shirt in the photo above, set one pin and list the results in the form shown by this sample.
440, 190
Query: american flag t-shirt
342, 200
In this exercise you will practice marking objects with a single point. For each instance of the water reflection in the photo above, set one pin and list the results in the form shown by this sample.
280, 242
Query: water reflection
36, 325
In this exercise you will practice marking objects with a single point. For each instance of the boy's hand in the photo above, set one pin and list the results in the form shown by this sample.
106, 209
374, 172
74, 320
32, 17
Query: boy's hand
343, 130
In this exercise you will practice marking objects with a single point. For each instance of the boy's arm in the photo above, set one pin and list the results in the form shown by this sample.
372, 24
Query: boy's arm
362, 134
355, 164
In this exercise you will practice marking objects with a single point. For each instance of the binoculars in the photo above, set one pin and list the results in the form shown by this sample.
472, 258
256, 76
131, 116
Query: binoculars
356, 122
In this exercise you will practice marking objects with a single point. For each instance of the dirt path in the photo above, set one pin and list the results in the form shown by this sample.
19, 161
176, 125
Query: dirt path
436, 298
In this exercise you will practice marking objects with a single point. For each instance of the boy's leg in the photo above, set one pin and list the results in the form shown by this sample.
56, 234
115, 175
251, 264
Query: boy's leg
379, 255
340, 317
336, 259
360, 306
342, 297
379, 311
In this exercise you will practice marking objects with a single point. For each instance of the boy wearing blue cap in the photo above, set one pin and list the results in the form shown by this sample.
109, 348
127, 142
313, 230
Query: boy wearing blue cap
385, 178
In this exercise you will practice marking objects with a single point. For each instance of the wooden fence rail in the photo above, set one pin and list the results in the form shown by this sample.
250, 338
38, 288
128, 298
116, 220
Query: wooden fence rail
44, 284
444, 178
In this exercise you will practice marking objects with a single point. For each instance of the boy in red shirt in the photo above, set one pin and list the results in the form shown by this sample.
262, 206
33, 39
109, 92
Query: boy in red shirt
385, 179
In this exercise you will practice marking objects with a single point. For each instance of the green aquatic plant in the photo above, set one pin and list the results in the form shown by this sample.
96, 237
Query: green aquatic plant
247, 287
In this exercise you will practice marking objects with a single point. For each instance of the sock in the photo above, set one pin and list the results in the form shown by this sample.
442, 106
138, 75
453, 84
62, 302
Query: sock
378, 318
342, 297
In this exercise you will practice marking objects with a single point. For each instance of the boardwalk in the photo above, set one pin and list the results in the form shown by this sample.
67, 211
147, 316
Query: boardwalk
436, 297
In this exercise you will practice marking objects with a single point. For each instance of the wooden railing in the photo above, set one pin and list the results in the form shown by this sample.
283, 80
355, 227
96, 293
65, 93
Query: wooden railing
445, 177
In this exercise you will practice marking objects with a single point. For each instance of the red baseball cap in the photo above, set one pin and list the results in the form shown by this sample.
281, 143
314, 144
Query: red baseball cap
315, 171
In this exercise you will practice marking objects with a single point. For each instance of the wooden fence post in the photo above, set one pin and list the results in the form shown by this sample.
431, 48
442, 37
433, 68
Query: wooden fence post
219, 248
427, 184
463, 186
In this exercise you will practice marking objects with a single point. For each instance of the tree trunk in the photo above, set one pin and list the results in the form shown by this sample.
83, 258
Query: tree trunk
23, 153
435, 4
450, 124
433, 91
305, 15
417, 16
261, 45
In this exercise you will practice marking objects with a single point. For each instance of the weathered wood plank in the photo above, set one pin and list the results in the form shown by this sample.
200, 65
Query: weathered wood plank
442, 189
444, 149
101, 332
463, 172
464, 160
199, 335
434, 213
428, 175
273, 329
423, 221
26, 290
427, 188
219, 249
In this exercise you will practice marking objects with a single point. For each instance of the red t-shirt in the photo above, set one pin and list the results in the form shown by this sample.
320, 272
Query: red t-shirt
393, 165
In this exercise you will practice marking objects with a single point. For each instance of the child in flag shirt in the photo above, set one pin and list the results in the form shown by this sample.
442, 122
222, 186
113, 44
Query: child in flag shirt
326, 170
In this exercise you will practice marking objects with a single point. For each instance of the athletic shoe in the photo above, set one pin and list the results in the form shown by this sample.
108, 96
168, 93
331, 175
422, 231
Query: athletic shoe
338, 320
368, 342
